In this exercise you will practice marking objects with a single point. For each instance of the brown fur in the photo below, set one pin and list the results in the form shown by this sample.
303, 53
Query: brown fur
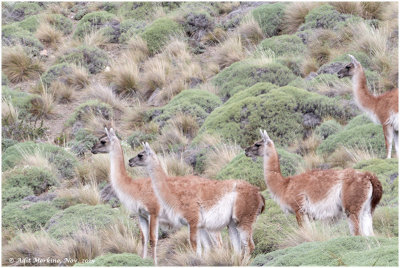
192, 197
382, 106
296, 192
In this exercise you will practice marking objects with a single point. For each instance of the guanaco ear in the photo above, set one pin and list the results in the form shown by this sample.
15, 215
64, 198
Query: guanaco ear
353, 59
112, 132
147, 148
107, 133
264, 135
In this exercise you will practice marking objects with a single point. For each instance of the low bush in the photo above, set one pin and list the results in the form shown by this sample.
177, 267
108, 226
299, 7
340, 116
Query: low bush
246, 73
328, 128
136, 139
323, 16
284, 45
387, 172
92, 22
270, 18
92, 106
352, 251
83, 142
14, 194
123, 259
20, 10
62, 161
139, 11
82, 217
130, 28
56, 72
244, 168
13, 36
27, 216
386, 221
354, 135
288, 113
37, 179
92, 58
198, 103
158, 33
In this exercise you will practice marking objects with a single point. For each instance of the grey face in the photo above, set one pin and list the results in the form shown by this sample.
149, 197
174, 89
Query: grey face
346, 71
102, 147
257, 149
139, 160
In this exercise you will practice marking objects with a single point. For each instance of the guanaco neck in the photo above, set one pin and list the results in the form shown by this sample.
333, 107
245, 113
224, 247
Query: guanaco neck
364, 98
119, 175
160, 184
276, 183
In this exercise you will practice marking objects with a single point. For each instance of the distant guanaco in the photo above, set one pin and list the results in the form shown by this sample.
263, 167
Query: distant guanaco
320, 194
382, 109
205, 204
138, 196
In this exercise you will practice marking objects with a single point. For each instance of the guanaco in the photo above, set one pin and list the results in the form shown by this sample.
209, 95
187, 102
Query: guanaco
320, 194
138, 196
206, 204
382, 109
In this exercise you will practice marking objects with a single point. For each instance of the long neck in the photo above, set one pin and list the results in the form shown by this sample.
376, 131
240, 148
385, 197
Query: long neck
363, 97
119, 175
276, 183
160, 184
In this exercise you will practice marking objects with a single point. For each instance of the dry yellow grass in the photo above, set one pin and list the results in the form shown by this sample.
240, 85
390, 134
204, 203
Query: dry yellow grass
62, 92
155, 75
83, 193
44, 106
78, 78
49, 35
295, 14
137, 49
18, 66
250, 32
106, 95
174, 165
218, 157
124, 77
186, 123
9, 113
230, 51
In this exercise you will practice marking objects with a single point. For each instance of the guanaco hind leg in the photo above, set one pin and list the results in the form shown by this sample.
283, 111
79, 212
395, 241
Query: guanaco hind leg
144, 227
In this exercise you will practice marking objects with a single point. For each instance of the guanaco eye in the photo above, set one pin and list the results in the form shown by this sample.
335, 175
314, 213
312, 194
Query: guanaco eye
140, 155
347, 67
103, 142
258, 145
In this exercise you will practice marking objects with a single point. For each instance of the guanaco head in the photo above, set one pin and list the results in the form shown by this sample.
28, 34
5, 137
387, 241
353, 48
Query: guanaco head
105, 142
260, 147
144, 157
349, 69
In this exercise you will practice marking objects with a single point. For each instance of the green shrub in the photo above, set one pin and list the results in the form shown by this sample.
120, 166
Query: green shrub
328, 128
55, 72
284, 45
197, 103
363, 58
20, 10
135, 140
62, 161
95, 106
14, 194
37, 179
130, 28
61, 23
386, 221
244, 74
271, 227
138, 10
83, 142
19, 99
349, 251
92, 58
4, 79
27, 216
5, 143
92, 22
123, 259
387, 172
29, 24
367, 136
244, 168
13, 36
279, 110
158, 33
270, 18
323, 16
81, 216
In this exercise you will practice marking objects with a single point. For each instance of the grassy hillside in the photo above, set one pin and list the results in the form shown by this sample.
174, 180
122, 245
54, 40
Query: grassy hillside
196, 80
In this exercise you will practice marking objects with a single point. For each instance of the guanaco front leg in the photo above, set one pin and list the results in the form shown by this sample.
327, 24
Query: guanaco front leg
388, 133
154, 236
299, 218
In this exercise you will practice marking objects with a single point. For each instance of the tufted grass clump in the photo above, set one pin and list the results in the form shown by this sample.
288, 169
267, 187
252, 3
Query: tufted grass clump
18, 66
61, 160
27, 216
270, 18
13, 36
295, 14
159, 32
122, 259
92, 58
244, 74
92, 106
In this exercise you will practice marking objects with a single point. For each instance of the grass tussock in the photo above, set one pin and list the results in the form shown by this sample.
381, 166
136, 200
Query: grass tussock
175, 165
82, 194
78, 79
135, 117
137, 49
250, 32
49, 35
120, 238
95, 168
9, 112
62, 92
124, 77
44, 105
218, 157
186, 123
295, 14
95, 38
228, 52
106, 95
18, 66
